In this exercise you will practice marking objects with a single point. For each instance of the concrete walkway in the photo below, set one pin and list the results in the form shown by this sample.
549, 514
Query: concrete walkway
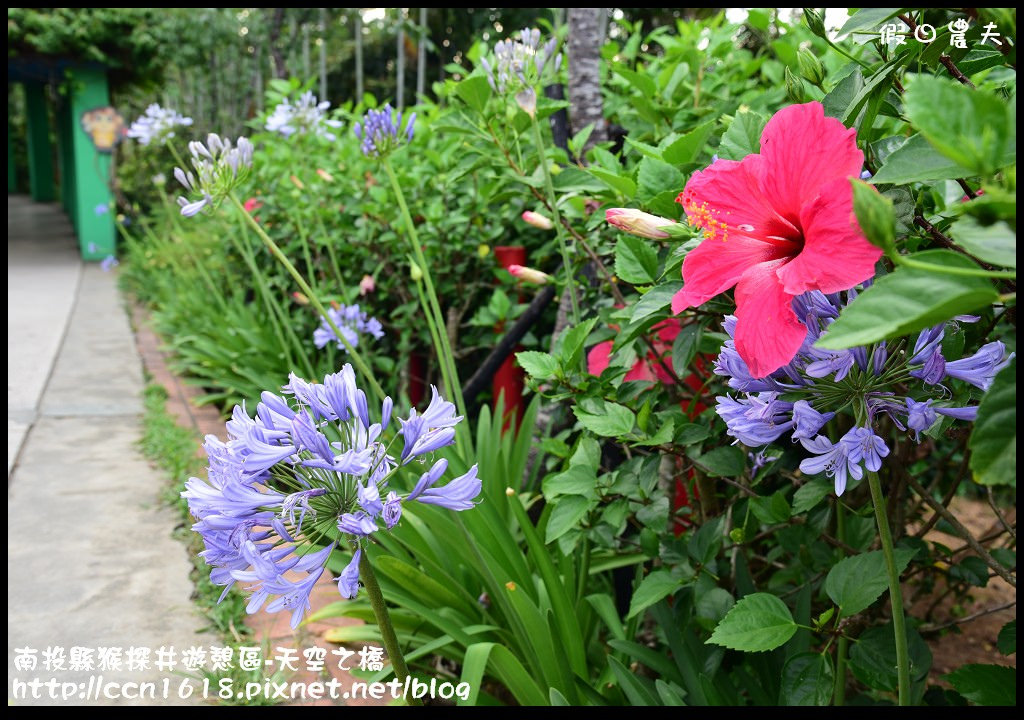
91, 562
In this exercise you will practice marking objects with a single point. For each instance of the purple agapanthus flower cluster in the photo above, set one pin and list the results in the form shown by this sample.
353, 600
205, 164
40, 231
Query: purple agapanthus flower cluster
310, 465
801, 397
219, 166
351, 323
520, 61
157, 125
381, 131
305, 116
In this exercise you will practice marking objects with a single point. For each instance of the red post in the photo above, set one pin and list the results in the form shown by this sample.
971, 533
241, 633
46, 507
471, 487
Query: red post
508, 380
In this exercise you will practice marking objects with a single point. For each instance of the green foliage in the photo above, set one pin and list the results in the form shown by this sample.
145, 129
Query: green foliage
641, 556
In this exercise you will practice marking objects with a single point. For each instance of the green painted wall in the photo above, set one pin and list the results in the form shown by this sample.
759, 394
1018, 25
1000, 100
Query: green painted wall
91, 171
40, 153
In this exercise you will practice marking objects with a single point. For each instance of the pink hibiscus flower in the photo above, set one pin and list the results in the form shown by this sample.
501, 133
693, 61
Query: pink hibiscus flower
649, 367
777, 225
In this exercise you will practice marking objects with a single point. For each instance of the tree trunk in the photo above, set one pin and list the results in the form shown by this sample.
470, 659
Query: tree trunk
586, 104
400, 62
273, 43
323, 53
421, 56
359, 55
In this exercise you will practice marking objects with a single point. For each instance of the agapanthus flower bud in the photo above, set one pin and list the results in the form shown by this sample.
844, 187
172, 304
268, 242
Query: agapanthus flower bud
381, 131
219, 167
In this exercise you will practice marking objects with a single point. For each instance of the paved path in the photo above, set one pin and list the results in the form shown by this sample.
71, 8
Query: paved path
91, 561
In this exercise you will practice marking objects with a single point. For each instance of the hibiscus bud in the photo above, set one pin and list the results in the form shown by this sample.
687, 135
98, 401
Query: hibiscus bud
367, 285
324, 175
637, 222
795, 88
810, 67
483, 250
252, 204
527, 274
815, 23
875, 215
297, 183
537, 220
300, 298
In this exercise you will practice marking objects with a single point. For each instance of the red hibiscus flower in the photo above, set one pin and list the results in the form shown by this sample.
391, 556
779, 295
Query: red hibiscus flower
777, 225
649, 367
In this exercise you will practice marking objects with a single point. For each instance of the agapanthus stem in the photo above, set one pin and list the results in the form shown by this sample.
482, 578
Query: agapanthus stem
839, 696
357, 359
387, 630
563, 247
895, 592
447, 357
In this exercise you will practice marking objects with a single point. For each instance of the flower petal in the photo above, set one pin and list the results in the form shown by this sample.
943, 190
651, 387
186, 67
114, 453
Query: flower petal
802, 151
599, 357
714, 266
836, 255
768, 333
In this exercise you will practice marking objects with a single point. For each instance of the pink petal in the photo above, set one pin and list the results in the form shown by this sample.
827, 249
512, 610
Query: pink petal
802, 151
641, 370
768, 333
599, 357
715, 266
726, 199
836, 255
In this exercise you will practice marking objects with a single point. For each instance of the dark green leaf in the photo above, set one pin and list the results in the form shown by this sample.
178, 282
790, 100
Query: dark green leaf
867, 22
691, 433
474, 91
537, 364
654, 301
986, 684
1007, 642
995, 244
807, 679
971, 570
908, 300
854, 583
972, 127
916, 161
577, 480
743, 136
838, 100
685, 149
725, 461
684, 348
808, 496
993, 441
655, 177
635, 260
620, 183
771, 510
873, 658
757, 623
568, 512
706, 542
659, 584
615, 420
